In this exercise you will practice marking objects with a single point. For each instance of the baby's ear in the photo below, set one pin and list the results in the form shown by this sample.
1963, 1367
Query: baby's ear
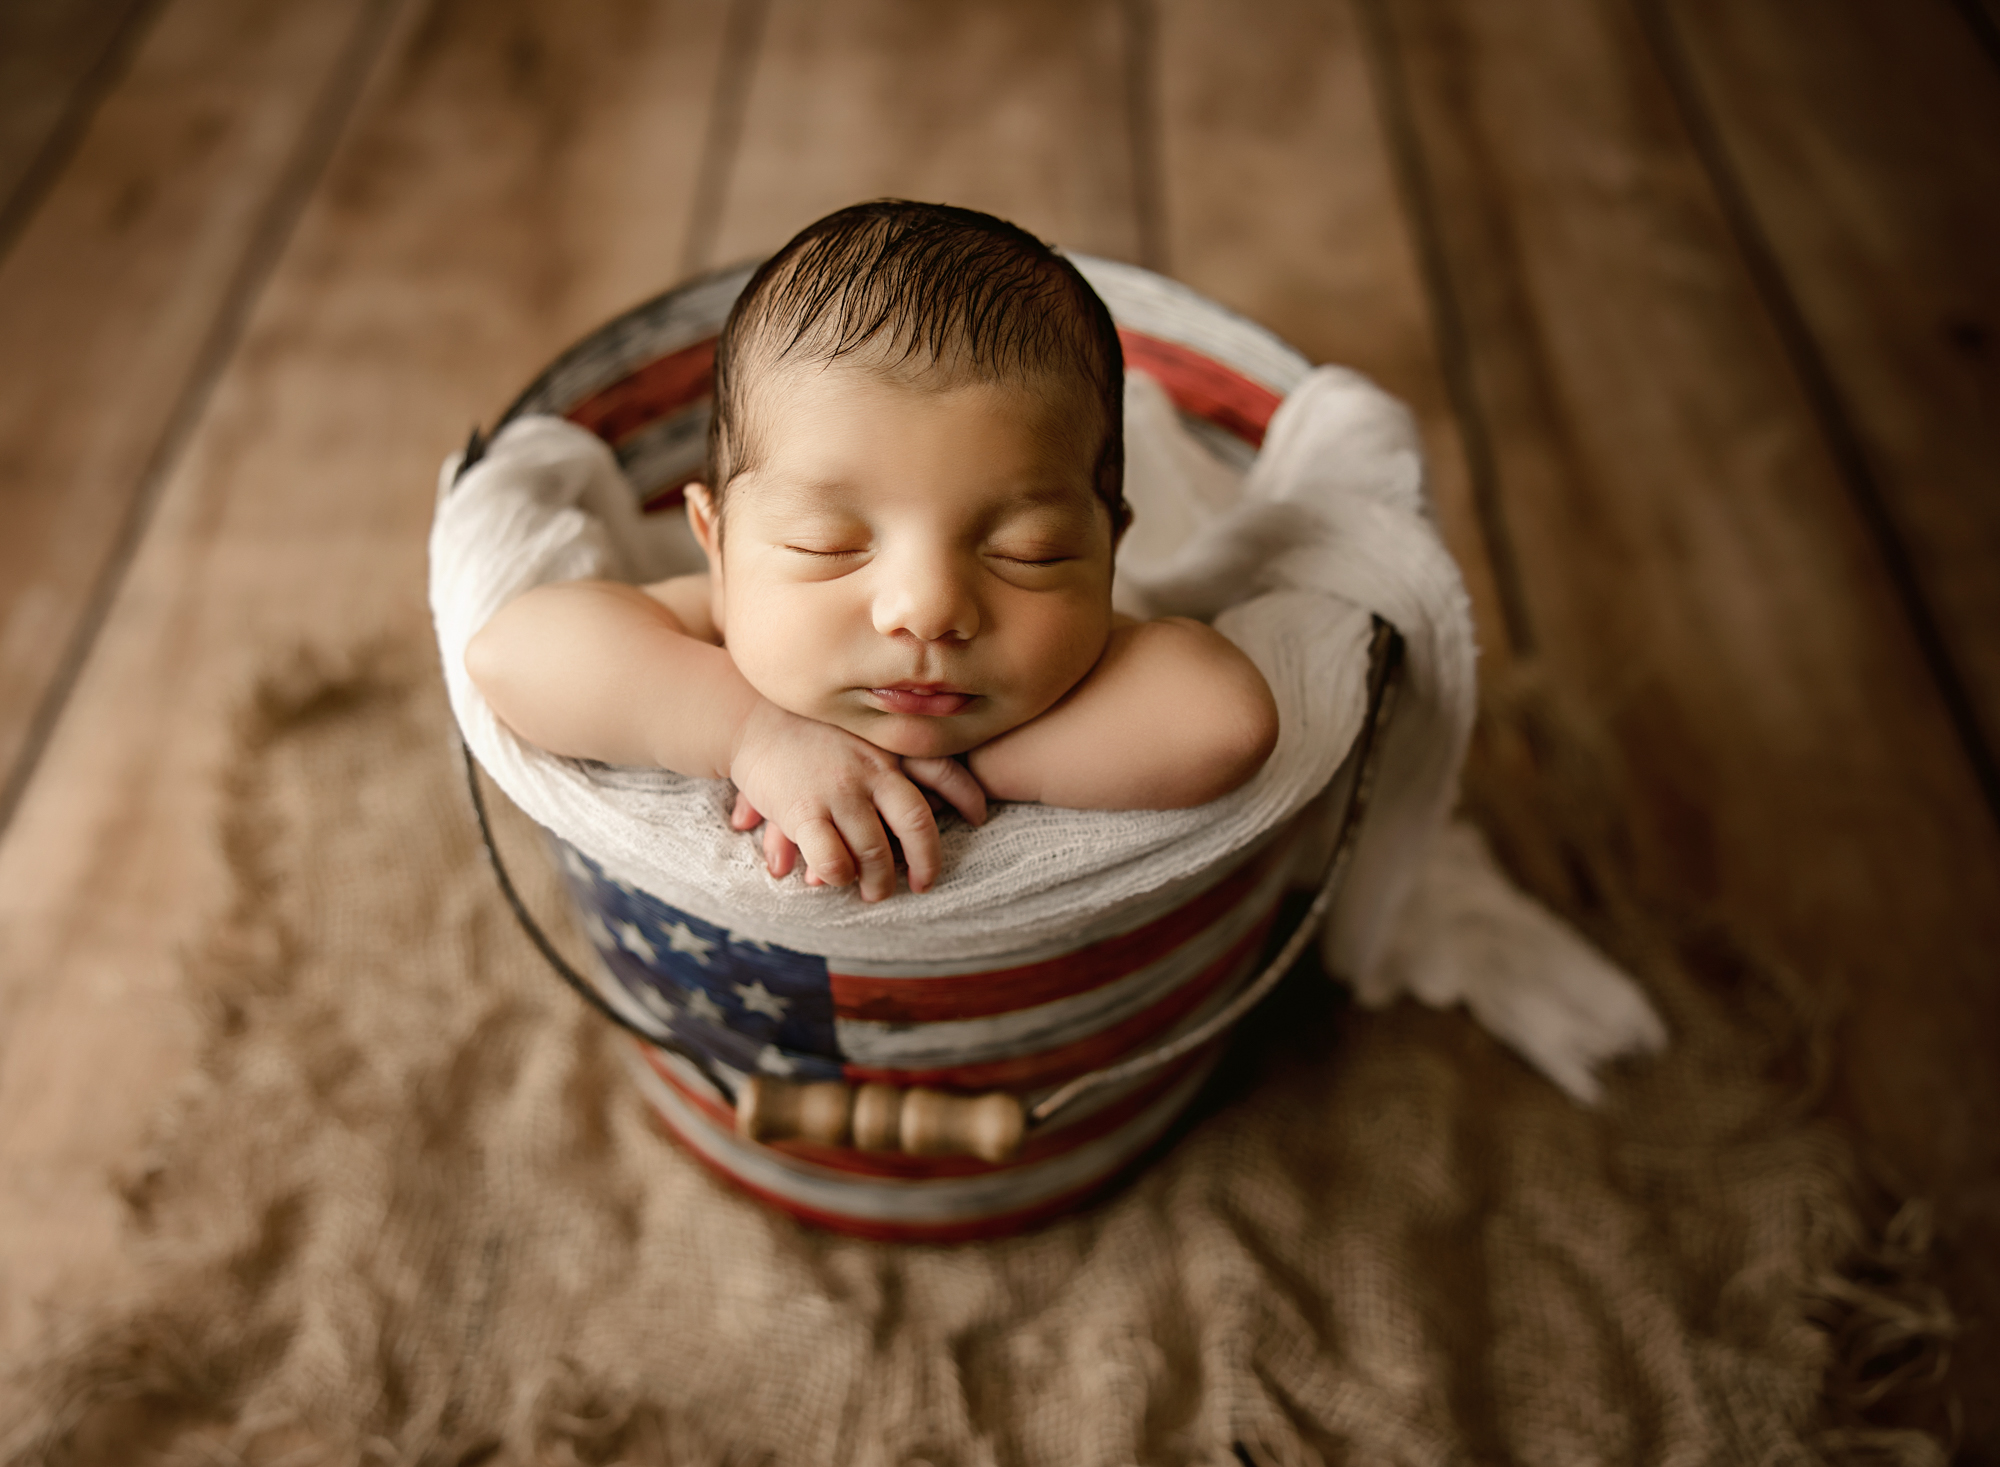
703, 520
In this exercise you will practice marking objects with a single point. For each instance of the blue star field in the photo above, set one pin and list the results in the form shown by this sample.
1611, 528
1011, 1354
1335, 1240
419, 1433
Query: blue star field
752, 1006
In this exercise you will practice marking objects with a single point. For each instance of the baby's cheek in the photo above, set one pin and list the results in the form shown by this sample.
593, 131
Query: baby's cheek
780, 666
792, 689
1068, 648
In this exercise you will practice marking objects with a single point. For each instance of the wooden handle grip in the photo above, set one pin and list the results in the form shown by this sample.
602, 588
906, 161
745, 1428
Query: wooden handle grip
771, 1110
918, 1121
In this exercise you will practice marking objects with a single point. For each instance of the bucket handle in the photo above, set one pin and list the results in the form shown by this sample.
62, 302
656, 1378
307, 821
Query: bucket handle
1385, 655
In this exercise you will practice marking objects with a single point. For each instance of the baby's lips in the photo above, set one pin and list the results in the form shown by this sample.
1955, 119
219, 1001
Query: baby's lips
923, 703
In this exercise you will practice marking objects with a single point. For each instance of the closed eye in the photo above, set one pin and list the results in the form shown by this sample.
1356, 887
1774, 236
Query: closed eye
823, 554
1030, 554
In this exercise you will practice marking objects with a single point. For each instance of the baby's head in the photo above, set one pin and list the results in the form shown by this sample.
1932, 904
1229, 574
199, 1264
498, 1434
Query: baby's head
916, 472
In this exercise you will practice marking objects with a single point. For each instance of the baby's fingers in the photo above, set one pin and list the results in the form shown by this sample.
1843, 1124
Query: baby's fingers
744, 815
952, 780
909, 815
819, 840
780, 855
861, 829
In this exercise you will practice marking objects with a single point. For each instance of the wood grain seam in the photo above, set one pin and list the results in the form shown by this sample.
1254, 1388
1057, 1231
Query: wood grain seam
313, 151
60, 145
1141, 48
1825, 401
1983, 24
722, 134
1447, 316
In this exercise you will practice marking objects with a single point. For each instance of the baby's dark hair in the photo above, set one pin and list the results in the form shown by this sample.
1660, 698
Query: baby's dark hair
942, 293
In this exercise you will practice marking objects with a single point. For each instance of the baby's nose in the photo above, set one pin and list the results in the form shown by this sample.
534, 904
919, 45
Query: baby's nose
932, 606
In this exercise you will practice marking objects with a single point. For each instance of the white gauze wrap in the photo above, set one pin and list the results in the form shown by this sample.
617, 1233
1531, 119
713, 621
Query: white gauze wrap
1329, 525
547, 503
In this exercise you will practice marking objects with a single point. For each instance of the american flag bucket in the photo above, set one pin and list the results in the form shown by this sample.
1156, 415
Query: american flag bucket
917, 1100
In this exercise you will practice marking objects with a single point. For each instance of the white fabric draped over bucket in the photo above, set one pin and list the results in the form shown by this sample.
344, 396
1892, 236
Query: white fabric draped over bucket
548, 503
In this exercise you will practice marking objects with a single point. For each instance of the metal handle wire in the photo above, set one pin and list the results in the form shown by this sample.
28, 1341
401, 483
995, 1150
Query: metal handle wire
1381, 700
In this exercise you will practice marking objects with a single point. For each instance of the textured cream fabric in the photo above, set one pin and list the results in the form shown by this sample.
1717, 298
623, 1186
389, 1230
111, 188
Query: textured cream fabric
409, 1212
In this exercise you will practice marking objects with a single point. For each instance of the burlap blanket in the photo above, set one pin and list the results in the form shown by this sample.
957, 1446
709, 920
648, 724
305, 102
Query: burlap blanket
410, 1212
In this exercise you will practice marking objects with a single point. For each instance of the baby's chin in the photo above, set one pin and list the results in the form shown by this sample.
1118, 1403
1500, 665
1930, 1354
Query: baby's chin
916, 737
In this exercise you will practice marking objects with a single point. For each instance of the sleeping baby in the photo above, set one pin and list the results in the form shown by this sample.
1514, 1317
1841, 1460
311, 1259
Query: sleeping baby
914, 491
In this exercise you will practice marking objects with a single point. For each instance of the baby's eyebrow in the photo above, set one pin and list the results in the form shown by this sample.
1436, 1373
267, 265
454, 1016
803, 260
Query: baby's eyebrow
824, 495
1051, 492
1060, 502
1061, 496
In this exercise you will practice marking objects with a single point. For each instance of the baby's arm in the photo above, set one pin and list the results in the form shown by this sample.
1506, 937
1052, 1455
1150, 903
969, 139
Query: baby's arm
598, 670
1172, 715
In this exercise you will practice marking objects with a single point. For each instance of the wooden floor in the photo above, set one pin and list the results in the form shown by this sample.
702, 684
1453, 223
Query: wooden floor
1699, 303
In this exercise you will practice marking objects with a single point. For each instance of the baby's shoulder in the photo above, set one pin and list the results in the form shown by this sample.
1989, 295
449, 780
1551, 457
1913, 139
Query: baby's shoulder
687, 597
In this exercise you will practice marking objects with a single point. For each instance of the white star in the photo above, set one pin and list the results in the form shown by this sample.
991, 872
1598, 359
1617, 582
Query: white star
596, 931
683, 940
656, 1002
634, 941
575, 864
756, 942
704, 1007
772, 1062
758, 999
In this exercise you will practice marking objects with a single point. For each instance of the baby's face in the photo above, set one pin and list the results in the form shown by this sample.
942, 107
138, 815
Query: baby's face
925, 568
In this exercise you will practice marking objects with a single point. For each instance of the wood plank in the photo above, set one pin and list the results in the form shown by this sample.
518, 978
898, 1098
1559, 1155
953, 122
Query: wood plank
1697, 573
118, 288
1017, 109
521, 171
1982, 18
1867, 144
57, 57
1281, 202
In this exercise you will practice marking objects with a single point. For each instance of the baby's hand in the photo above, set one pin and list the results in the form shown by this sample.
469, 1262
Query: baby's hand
825, 794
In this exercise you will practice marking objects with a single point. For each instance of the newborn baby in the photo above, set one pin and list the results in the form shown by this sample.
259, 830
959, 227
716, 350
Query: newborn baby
915, 487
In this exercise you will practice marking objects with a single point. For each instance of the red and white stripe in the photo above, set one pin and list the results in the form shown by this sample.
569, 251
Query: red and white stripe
1031, 1026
